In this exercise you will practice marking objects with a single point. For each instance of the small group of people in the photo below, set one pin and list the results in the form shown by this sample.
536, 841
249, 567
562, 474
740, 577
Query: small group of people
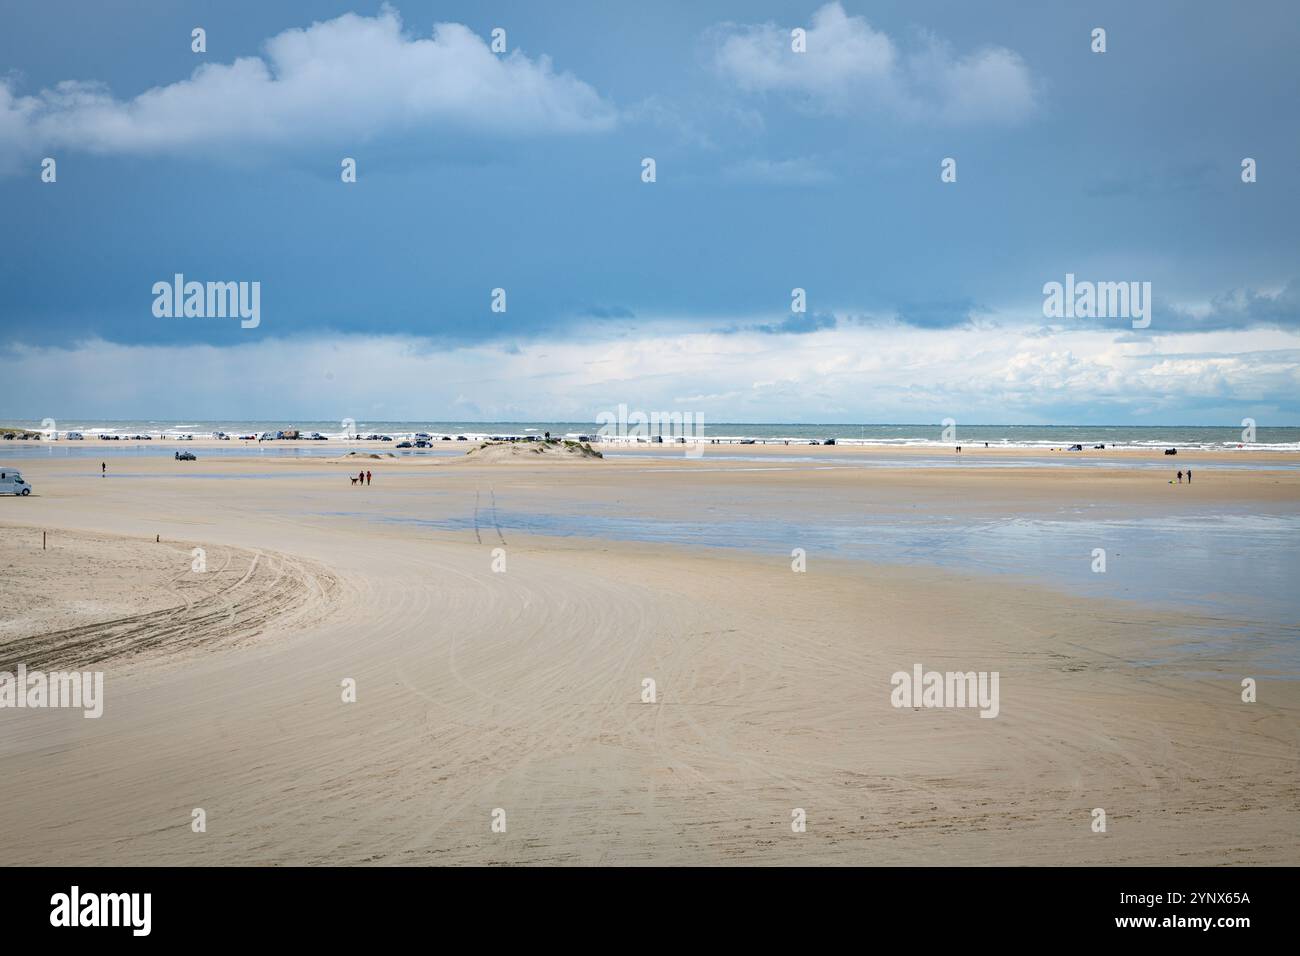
1189, 476
362, 479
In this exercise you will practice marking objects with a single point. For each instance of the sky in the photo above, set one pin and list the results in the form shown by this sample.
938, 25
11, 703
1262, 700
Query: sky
523, 169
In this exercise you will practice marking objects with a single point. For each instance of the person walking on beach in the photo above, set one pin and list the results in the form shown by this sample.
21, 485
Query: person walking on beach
367, 477
361, 478
103, 469
1189, 476
1180, 477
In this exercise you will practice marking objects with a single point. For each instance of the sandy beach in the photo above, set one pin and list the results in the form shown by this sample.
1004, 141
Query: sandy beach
502, 669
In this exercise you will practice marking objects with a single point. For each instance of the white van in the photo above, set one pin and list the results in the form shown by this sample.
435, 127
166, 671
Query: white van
74, 436
11, 483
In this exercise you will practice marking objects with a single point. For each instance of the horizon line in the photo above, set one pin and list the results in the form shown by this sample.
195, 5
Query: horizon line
578, 421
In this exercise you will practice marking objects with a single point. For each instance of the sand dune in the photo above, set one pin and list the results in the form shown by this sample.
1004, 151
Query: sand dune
498, 452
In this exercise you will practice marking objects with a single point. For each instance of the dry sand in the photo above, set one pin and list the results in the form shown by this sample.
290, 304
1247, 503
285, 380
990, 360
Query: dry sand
522, 690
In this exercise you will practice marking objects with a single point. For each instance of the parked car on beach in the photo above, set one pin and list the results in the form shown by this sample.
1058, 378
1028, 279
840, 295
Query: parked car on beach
11, 483
185, 456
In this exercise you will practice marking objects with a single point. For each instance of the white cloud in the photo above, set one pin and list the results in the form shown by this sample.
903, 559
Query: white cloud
343, 80
850, 66
852, 372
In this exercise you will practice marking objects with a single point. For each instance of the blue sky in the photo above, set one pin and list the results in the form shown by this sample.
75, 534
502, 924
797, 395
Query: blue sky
522, 171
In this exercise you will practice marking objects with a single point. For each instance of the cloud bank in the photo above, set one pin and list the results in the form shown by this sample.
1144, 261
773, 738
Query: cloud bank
824, 372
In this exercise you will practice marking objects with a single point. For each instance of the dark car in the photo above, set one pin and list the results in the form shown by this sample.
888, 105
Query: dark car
403, 444
185, 456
